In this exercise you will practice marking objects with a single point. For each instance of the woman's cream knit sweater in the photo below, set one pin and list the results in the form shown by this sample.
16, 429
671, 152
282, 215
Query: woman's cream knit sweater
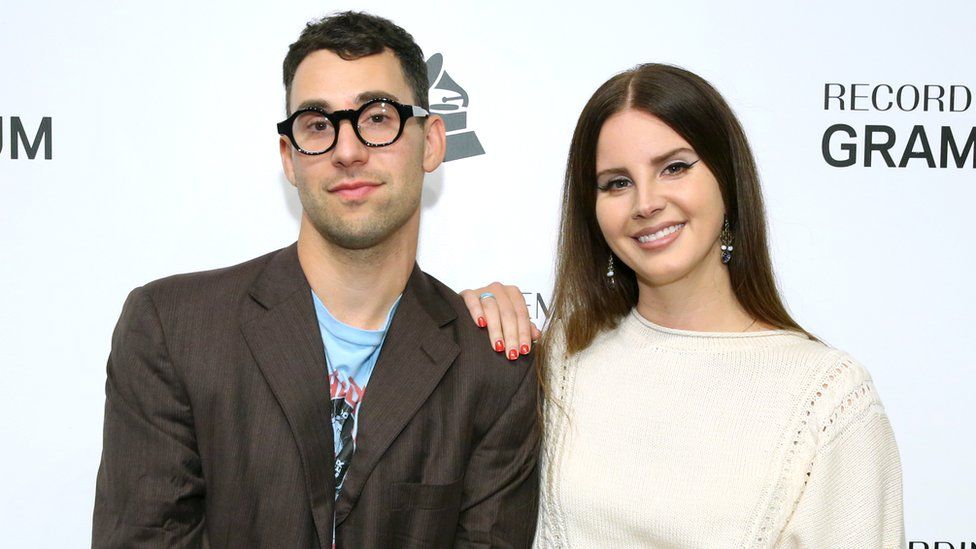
670, 438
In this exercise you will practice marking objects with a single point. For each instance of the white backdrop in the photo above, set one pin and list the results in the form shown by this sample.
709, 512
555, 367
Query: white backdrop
164, 160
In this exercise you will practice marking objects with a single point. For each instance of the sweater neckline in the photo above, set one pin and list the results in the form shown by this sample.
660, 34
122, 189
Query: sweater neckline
691, 339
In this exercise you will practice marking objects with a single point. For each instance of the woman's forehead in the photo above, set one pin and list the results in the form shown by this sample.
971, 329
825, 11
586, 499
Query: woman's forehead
632, 135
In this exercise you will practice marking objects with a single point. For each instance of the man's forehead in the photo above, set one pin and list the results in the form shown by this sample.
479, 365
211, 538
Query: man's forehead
326, 80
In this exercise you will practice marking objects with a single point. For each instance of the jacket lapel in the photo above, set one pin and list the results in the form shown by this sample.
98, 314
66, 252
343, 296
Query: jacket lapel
283, 335
414, 358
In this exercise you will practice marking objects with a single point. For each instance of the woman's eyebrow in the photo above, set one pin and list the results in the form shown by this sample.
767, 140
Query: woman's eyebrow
612, 171
661, 158
654, 161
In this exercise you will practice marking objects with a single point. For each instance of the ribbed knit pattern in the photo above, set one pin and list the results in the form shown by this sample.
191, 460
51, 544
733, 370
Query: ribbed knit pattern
671, 438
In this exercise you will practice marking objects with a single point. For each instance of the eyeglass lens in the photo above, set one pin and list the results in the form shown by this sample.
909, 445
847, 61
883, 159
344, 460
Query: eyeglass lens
378, 124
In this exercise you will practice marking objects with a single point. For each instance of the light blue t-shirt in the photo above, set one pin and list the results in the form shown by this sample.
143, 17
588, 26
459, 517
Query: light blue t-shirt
351, 355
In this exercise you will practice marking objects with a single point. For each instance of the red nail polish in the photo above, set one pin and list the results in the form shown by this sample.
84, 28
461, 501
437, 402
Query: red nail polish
524, 350
513, 354
499, 346
481, 322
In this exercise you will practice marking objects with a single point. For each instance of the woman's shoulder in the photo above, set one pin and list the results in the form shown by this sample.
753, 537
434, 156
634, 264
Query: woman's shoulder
556, 341
813, 362
838, 390
828, 369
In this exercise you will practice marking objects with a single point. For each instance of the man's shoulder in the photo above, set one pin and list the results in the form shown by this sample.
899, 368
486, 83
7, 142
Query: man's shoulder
475, 347
452, 298
208, 286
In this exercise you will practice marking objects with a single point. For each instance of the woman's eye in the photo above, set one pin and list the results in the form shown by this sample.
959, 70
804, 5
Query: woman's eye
678, 167
614, 184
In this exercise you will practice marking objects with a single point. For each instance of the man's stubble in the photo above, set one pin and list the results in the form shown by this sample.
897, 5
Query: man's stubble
386, 214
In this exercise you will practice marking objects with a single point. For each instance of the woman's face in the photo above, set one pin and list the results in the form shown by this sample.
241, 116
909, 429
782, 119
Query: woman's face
659, 207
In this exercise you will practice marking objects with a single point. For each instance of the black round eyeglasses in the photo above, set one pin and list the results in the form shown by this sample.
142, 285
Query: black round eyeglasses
377, 123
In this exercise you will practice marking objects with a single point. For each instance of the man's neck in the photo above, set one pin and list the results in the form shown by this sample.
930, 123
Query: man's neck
358, 287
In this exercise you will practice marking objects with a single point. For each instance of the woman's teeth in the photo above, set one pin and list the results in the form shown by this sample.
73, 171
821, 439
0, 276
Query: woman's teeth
660, 234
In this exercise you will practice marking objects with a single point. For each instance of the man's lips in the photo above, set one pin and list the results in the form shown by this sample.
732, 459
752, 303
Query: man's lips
354, 189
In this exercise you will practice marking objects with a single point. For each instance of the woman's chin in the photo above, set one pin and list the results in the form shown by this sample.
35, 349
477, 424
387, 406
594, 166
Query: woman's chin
665, 273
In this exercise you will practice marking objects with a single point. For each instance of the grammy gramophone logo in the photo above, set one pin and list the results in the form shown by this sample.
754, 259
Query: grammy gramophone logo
450, 101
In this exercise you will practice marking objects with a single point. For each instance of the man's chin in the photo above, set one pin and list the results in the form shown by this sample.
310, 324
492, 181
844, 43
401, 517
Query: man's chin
357, 242
354, 236
358, 228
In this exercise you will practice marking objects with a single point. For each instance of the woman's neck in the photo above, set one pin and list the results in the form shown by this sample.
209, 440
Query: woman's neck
701, 301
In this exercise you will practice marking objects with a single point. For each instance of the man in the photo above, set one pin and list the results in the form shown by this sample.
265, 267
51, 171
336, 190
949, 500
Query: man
329, 390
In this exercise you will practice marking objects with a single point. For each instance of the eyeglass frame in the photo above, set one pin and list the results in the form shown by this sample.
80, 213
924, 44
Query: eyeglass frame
406, 112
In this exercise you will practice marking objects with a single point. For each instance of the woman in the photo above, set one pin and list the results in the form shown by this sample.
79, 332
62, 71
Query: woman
683, 406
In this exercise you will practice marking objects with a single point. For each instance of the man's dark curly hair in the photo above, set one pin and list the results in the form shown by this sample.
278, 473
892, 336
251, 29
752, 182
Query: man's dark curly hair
352, 35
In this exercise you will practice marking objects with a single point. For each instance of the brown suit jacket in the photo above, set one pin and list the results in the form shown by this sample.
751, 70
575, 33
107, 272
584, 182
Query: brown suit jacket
217, 426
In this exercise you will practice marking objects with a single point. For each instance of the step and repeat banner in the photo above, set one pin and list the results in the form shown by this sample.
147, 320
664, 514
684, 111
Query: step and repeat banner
138, 140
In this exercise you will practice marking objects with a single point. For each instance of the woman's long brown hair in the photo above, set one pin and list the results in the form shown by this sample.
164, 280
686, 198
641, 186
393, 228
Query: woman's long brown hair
583, 303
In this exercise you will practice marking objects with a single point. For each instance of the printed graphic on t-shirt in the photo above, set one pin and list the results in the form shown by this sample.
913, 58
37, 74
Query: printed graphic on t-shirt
346, 396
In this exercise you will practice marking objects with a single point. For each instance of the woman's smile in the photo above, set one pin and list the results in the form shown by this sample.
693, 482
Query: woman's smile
656, 239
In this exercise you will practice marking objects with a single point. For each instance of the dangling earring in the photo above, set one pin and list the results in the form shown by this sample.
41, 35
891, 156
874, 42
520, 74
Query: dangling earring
726, 238
610, 278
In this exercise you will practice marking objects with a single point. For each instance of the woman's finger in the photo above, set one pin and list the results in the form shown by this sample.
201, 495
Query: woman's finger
508, 314
522, 317
536, 333
477, 313
489, 305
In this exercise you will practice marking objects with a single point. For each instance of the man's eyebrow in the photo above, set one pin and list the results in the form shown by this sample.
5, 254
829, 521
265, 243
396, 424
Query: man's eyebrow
360, 99
316, 103
375, 94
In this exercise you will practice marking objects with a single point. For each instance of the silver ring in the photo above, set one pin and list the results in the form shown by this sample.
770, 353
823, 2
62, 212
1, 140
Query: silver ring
486, 295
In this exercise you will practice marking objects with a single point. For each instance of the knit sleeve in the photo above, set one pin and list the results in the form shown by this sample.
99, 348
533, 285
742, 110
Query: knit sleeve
853, 495
549, 524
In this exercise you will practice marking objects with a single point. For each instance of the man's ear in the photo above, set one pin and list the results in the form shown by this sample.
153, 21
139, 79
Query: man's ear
287, 164
435, 143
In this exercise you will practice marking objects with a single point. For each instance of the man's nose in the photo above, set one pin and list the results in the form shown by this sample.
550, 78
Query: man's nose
349, 150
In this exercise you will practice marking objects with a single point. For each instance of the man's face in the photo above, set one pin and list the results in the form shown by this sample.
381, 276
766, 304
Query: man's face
357, 196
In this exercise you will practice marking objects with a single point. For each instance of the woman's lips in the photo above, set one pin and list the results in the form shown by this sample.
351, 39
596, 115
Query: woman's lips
653, 242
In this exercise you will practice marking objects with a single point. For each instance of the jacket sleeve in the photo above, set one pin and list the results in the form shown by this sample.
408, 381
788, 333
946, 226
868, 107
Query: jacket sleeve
501, 486
150, 489
854, 494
